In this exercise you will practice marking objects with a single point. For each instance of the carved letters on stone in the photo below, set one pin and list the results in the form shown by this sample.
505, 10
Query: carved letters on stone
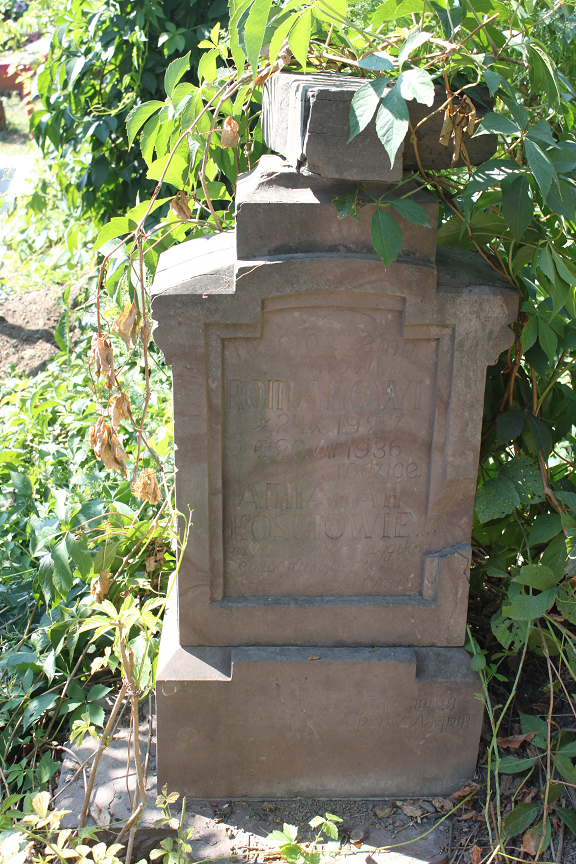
332, 415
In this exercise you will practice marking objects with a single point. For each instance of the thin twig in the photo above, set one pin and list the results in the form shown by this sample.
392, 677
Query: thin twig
104, 740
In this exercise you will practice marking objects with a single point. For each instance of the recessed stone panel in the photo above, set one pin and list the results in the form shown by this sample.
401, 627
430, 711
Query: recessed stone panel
327, 425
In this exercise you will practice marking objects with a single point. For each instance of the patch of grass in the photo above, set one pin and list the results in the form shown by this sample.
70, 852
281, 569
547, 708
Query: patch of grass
15, 137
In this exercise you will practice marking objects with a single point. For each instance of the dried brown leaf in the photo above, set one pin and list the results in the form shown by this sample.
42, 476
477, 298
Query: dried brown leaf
530, 795
383, 812
112, 453
120, 406
180, 206
98, 436
476, 855
99, 586
465, 791
457, 143
529, 843
100, 815
146, 487
514, 741
315, 657
470, 110
414, 812
447, 128
102, 358
126, 325
145, 331
230, 136
442, 804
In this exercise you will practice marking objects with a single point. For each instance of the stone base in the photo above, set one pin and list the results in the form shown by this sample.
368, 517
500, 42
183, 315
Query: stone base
322, 722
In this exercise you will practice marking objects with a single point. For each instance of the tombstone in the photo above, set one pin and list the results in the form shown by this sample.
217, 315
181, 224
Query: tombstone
327, 416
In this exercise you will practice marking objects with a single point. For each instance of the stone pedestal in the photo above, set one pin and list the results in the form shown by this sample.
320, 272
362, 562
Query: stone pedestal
327, 425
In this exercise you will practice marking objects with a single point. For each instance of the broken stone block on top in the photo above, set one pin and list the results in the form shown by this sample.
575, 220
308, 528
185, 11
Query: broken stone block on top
306, 118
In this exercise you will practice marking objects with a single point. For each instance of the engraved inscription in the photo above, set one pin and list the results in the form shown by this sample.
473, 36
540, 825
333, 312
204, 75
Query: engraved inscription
415, 715
327, 427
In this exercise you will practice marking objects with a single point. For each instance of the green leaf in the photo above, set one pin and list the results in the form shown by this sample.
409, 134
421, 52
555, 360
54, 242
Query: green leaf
527, 608
138, 116
386, 236
411, 211
496, 123
533, 723
496, 498
510, 425
78, 551
545, 527
417, 84
546, 262
493, 81
254, 32
530, 333
542, 134
511, 765
174, 73
562, 266
37, 706
540, 166
536, 576
118, 226
526, 478
46, 769
411, 44
555, 554
392, 122
377, 61
364, 104
299, 39
62, 332
330, 11
62, 576
567, 605
391, 10
279, 37
541, 434
566, 768
176, 173
478, 662
517, 206
45, 572
568, 817
520, 818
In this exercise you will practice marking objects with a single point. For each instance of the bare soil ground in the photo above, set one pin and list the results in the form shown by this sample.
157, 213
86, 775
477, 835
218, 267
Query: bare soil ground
27, 323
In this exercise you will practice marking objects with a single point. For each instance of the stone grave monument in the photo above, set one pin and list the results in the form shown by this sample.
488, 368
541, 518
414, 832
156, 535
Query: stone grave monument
327, 416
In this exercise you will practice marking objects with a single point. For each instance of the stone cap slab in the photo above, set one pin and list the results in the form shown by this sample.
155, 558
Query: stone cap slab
306, 119
281, 211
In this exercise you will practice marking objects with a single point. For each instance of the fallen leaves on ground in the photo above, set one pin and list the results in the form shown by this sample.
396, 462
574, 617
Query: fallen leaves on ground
414, 812
529, 844
465, 791
100, 815
442, 804
476, 855
514, 741
383, 812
